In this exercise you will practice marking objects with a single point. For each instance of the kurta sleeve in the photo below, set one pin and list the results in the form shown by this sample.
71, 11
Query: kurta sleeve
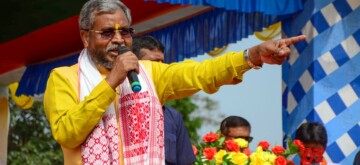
178, 80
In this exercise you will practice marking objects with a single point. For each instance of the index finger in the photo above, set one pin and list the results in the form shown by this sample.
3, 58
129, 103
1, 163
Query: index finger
292, 40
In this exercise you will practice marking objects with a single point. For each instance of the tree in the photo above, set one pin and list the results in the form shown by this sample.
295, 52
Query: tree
30, 140
195, 112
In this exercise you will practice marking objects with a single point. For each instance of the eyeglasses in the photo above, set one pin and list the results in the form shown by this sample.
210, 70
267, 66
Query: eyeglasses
109, 33
247, 138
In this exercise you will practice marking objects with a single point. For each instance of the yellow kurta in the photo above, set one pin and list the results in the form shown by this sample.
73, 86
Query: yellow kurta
72, 121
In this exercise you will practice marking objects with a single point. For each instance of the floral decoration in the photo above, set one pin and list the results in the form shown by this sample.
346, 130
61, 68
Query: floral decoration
215, 150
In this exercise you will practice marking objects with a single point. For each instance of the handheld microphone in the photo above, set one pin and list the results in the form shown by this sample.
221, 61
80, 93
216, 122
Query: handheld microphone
131, 75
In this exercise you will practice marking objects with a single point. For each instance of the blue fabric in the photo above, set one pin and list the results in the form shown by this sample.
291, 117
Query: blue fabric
322, 75
33, 81
178, 148
271, 7
203, 33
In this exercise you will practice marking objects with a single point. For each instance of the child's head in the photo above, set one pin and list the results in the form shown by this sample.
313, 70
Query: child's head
312, 134
314, 137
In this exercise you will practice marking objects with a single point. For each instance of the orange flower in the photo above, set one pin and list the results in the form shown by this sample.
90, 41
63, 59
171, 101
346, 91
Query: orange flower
210, 137
231, 145
209, 153
280, 160
195, 150
278, 150
264, 145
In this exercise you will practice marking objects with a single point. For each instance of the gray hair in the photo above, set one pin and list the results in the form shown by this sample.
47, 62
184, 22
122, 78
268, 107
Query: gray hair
94, 7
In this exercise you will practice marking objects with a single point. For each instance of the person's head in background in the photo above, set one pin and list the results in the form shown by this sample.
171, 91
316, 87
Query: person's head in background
314, 137
148, 48
234, 127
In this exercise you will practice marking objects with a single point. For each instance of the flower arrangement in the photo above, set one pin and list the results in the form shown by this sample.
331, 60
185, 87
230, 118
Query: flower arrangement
215, 150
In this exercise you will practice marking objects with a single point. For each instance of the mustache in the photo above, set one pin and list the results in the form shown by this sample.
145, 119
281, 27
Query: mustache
112, 47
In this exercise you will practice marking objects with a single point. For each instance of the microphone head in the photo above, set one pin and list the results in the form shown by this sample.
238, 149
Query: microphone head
123, 49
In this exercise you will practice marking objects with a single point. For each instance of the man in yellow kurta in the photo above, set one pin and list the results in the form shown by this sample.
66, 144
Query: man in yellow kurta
93, 113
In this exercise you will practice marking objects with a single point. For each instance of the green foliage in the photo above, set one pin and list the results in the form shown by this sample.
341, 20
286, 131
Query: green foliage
195, 112
30, 141
185, 108
293, 149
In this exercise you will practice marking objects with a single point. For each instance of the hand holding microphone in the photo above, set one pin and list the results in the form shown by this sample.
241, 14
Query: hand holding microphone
131, 75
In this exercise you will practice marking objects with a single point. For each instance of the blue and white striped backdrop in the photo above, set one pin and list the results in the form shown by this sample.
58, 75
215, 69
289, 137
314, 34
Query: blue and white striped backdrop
321, 79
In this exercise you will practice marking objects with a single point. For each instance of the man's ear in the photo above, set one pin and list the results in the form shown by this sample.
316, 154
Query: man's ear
84, 35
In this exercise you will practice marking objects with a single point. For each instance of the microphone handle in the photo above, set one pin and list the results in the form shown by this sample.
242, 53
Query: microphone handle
134, 81
131, 75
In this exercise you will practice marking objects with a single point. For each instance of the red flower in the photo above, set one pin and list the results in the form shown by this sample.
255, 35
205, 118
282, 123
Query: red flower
280, 160
290, 162
247, 151
299, 144
195, 150
264, 145
210, 137
231, 145
304, 162
318, 153
278, 150
209, 153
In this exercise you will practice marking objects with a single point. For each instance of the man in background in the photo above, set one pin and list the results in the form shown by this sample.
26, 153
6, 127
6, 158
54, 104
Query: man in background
234, 127
178, 148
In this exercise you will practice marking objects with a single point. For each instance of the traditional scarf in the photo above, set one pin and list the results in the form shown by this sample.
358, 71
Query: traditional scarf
140, 116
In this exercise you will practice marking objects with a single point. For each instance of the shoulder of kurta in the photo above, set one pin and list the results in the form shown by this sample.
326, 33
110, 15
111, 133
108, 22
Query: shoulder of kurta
70, 73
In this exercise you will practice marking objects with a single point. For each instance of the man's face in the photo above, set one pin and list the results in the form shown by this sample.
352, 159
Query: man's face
152, 55
238, 132
103, 50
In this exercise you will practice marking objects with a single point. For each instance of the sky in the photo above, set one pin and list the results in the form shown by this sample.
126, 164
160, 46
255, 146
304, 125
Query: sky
257, 98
